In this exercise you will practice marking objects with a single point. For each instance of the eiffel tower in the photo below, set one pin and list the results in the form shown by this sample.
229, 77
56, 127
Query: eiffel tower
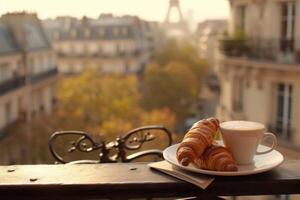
180, 27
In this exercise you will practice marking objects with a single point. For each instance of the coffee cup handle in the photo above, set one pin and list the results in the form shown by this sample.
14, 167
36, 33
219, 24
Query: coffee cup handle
274, 143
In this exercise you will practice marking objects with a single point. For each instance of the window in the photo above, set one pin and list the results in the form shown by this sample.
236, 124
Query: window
19, 64
4, 72
52, 61
86, 50
36, 65
238, 94
118, 49
127, 68
73, 34
241, 17
21, 111
101, 32
100, 50
116, 31
87, 33
124, 31
20, 107
8, 112
79, 48
284, 97
288, 11
71, 49
56, 35
45, 59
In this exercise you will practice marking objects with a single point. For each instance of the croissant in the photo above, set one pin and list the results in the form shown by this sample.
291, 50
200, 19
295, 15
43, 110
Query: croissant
196, 140
216, 158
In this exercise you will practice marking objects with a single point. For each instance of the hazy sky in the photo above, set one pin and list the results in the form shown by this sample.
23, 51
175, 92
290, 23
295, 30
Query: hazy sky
147, 9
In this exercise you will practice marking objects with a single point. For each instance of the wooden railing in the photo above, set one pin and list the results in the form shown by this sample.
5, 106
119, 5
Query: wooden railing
134, 180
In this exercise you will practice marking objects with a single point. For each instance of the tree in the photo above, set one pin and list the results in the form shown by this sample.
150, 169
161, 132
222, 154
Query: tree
90, 99
107, 103
173, 86
186, 53
174, 79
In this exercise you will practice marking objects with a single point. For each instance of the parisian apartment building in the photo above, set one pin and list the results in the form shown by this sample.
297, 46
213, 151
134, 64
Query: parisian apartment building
208, 34
28, 71
109, 44
260, 66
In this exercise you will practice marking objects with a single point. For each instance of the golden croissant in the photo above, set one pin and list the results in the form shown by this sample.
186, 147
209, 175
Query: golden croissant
216, 158
196, 140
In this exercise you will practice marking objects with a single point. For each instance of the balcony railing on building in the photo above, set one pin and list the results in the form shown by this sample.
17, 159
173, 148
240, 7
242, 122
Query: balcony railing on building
279, 51
100, 54
12, 84
43, 75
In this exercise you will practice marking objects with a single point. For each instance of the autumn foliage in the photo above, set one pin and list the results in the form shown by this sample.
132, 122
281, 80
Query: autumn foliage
174, 79
108, 105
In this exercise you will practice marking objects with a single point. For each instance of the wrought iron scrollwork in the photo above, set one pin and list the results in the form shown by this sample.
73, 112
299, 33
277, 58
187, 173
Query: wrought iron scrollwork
83, 144
132, 140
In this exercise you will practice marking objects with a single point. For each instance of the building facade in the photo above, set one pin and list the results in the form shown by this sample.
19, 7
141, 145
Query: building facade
260, 67
28, 72
108, 44
208, 34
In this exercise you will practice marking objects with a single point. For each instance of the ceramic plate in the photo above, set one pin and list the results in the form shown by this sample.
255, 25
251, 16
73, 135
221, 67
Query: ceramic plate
261, 163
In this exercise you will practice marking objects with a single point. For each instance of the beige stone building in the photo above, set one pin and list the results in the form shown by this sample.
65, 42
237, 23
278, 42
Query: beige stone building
260, 68
108, 44
28, 71
208, 34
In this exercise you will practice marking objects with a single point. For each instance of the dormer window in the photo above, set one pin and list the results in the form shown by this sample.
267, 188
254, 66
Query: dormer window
73, 33
124, 31
116, 31
55, 35
87, 33
101, 32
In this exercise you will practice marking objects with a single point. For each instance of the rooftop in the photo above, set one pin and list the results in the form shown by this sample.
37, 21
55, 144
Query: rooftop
21, 30
7, 42
105, 27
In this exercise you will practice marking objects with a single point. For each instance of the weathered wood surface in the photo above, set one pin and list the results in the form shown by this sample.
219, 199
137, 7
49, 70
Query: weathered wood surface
90, 181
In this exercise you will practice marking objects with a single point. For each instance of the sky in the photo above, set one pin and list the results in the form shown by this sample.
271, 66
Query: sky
147, 9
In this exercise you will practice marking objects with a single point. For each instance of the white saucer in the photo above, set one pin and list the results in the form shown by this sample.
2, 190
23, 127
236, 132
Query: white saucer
261, 163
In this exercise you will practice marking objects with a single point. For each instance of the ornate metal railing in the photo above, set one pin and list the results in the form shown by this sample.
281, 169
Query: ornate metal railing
132, 140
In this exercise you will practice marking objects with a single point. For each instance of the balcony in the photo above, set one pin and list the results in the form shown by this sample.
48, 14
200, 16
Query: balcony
35, 78
113, 177
100, 54
274, 51
11, 85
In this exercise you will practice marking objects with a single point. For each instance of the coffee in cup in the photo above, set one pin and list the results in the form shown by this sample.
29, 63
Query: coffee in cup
242, 139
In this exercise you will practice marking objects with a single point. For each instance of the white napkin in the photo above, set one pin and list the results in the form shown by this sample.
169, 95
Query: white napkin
200, 180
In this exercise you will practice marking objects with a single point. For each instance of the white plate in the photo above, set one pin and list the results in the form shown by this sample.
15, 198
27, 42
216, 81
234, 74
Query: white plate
261, 163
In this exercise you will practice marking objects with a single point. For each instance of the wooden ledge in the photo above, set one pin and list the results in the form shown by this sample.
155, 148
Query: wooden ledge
86, 181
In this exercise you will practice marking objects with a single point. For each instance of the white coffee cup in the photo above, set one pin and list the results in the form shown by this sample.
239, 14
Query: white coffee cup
242, 139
